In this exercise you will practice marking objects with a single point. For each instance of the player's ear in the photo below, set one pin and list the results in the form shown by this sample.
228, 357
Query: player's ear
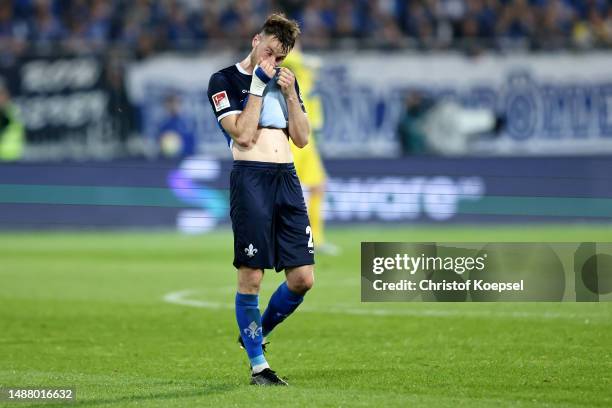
256, 40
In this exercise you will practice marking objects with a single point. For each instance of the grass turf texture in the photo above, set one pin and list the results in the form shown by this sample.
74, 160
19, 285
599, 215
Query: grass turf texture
86, 310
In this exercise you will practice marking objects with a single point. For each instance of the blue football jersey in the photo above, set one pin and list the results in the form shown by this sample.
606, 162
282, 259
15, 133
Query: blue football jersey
228, 92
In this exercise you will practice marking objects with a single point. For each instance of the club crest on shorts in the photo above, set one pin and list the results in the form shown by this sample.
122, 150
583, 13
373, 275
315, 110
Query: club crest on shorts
253, 330
221, 101
250, 251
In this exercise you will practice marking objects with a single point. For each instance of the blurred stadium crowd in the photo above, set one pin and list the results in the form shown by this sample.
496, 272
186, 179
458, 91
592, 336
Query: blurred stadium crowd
149, 26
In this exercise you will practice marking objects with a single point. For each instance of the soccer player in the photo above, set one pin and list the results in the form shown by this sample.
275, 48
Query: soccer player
258, 106
12, 134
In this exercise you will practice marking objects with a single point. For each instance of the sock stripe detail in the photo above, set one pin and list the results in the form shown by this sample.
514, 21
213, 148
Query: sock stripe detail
258, 360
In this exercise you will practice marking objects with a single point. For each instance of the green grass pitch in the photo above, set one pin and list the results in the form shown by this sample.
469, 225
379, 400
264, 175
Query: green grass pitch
91, 310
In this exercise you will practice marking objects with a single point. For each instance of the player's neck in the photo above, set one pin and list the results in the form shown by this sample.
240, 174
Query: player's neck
246, 64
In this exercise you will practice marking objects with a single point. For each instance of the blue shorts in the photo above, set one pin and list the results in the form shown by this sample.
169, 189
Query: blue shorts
269, 218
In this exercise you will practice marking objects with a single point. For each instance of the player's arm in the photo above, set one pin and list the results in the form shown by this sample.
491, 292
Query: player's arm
242, 124
298, 125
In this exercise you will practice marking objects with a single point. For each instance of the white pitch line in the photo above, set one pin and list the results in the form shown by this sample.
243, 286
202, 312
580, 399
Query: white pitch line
181, 298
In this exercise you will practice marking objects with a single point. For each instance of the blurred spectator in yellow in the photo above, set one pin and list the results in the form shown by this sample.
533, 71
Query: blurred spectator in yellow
308, 164
11, 129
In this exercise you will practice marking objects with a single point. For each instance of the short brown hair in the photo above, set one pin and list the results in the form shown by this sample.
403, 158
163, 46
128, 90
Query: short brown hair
285, 30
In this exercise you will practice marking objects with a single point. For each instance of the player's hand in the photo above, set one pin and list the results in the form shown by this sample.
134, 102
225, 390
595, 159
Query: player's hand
286, 82
262, 74
268, 67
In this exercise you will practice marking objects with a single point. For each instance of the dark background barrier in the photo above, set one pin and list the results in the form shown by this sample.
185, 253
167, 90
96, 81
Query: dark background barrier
193, 194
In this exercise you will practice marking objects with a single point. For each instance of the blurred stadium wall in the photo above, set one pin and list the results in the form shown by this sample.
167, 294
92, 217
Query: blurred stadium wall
553, 104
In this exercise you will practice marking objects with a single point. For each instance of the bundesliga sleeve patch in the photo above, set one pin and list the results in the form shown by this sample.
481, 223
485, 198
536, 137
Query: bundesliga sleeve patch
221, 101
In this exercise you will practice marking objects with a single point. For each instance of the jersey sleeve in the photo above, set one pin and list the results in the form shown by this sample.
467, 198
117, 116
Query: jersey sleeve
222, 96
299, 94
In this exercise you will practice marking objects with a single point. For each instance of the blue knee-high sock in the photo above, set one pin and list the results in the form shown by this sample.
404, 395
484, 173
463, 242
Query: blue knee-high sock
249, 323
282, 303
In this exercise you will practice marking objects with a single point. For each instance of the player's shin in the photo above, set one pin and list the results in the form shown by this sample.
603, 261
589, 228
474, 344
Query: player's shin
282, 303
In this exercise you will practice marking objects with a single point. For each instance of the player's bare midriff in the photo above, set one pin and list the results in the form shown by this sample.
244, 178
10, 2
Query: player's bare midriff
272, 146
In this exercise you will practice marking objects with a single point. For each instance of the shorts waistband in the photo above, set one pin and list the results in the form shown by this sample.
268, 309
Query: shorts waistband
263, 165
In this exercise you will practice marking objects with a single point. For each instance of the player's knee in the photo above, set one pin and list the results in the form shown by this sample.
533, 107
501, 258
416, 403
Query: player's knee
307, 283
301, 283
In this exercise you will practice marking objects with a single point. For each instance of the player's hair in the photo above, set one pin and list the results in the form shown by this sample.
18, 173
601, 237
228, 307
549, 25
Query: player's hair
285, 30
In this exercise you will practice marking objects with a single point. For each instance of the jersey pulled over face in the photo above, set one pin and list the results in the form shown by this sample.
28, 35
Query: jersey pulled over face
228, 93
